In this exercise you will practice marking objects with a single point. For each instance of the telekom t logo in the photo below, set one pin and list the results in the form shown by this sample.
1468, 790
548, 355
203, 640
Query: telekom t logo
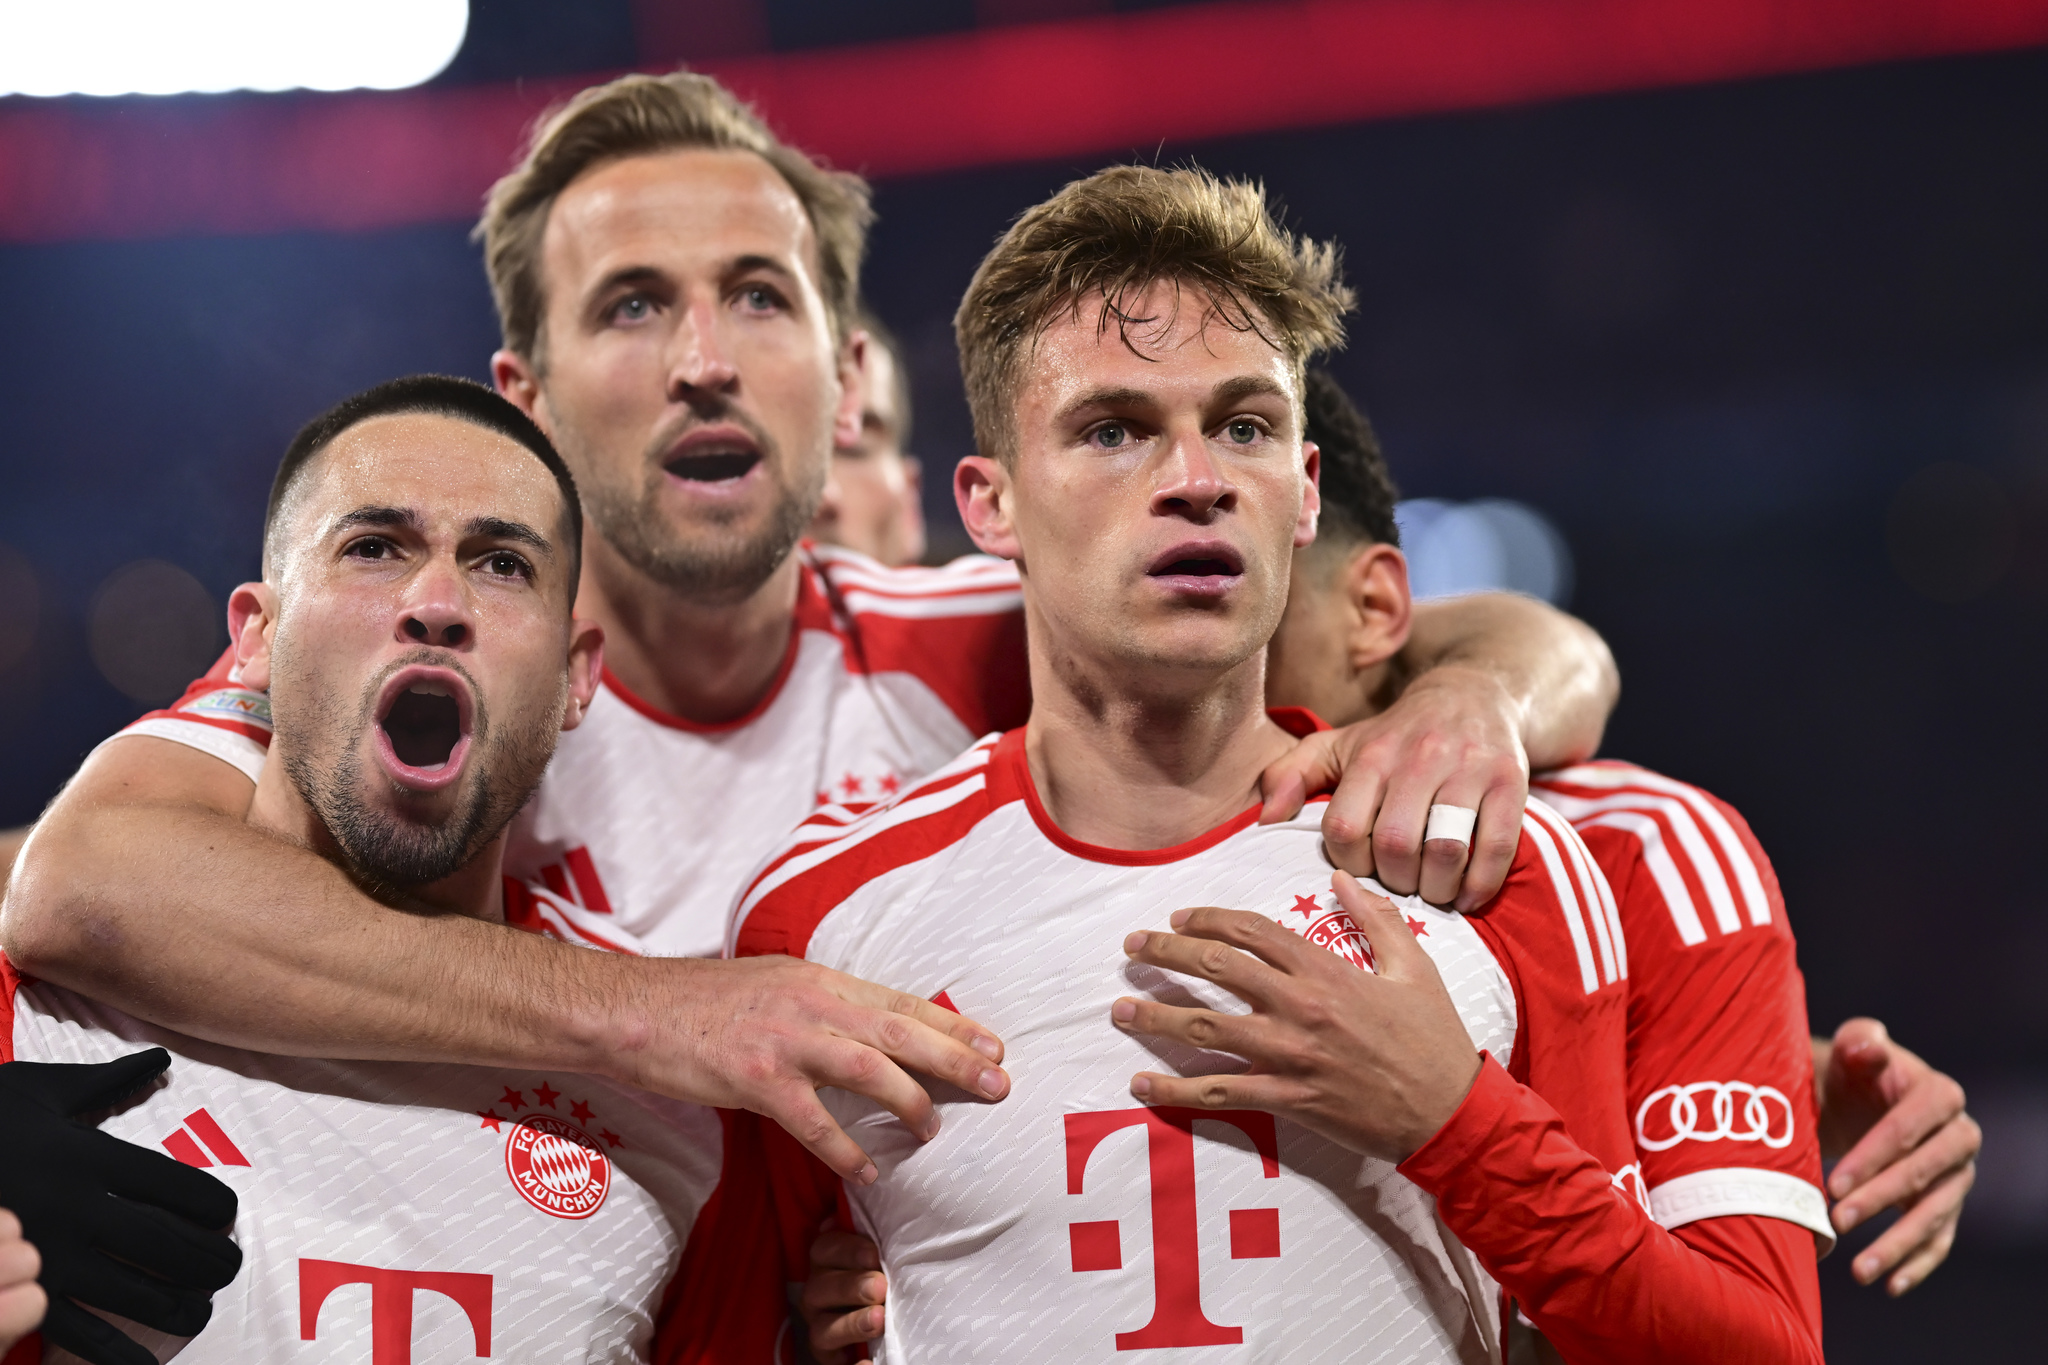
391, 1294
1177, 1316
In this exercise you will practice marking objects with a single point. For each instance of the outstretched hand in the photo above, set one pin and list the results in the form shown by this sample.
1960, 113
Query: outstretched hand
1374, 1061
1904, 1141
1452, 738
767, 1033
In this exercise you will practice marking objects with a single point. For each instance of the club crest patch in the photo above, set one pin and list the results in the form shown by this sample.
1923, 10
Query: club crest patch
1328, 926
557, 1167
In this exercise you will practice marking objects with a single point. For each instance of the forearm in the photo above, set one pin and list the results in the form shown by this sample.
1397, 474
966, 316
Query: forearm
196, 921
1555, 669
1597, 1276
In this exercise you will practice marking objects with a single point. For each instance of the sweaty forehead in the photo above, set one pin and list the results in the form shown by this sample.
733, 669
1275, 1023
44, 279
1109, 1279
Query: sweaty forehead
448, 470
1175, 346
680, 210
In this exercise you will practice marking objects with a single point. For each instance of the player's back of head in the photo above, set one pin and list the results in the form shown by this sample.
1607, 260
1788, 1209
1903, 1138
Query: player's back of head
639, 115
1104, 240
1357, 489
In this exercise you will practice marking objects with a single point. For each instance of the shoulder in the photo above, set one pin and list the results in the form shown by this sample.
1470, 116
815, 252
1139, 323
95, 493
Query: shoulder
837, 851
1674, 843
1556, 910
217, 714
958, 628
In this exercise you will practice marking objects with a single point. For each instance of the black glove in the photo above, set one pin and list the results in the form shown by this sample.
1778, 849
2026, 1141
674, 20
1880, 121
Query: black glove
85, 1197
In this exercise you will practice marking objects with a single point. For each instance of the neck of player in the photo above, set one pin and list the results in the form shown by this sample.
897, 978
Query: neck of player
1141, 767
704, 662
476, 889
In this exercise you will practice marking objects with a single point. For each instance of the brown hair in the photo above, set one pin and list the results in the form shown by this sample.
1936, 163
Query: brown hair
1114, 235
640, 114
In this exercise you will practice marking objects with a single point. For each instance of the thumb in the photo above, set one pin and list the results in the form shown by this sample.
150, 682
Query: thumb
72, 1089
1394, 949
1310, 766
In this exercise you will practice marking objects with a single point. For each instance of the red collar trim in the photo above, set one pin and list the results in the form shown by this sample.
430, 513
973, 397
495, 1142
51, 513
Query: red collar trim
813, 612
1010, 778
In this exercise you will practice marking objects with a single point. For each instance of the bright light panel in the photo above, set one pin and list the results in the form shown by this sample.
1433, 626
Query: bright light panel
168, 47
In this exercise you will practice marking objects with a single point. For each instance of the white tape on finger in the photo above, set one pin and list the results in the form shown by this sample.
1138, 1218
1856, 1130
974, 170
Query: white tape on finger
1451, 822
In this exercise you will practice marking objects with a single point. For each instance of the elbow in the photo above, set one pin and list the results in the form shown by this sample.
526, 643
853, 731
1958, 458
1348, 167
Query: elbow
47, 926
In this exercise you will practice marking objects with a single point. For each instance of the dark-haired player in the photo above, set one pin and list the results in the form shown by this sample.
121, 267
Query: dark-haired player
413, 637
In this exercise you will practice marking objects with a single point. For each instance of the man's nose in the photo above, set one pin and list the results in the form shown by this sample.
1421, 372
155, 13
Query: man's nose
1192, 483
436, 612
700, 363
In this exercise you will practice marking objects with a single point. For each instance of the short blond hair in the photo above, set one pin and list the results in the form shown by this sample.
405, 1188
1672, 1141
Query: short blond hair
636, 115
1114, 235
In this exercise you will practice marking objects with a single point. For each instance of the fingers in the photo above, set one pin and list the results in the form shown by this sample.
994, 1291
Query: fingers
797, 1109
73, 1089
1273, 1094
1239, 1035
1208, 947
834, 1333
837, 1249
21, 1309
153, 1178
1445, 859
128, 1293
1395, 954
1904, 1180
91, 1337
183, 1255
1494, 841
1349, 819
924, 1037
1929, 1105
1920, 1240
1310, 766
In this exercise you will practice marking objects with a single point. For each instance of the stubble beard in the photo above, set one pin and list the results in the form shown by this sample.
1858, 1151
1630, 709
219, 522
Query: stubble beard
384, 851
715, 563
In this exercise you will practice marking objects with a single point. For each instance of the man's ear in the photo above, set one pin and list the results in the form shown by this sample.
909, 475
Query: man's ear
586, 669
252, 621
514, 376
853, 362
1311, 495
981, 490
1375, 583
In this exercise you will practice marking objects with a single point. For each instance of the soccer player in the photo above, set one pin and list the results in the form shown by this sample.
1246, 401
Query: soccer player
414, 637
873, 502
1133, 351
1718, 1044
678, 297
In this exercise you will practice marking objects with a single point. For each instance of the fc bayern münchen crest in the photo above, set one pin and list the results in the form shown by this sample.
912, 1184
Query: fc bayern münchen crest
1329, 927
557, 1167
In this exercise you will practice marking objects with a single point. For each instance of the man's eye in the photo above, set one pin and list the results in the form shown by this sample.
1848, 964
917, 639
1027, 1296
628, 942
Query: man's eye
761, 299
505, 564
369, 547
633, 308
1111, 436
1244, 432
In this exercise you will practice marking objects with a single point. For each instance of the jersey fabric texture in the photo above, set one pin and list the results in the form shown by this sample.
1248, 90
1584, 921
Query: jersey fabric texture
657, 821
397, 1211
1072, 1218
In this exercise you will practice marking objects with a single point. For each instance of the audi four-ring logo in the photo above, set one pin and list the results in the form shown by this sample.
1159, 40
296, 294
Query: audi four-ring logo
1761, 1106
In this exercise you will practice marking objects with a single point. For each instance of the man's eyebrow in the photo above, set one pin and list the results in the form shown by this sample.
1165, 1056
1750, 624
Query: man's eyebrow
626, 275
403, 518
1110, 398
1244, 386
742, 264
498, 528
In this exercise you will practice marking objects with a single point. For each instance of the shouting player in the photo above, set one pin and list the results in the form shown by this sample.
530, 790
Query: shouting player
678, 297
413, 634
1133, 350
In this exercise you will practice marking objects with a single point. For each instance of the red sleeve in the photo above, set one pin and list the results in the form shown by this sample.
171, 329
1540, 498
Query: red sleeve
1587, 1265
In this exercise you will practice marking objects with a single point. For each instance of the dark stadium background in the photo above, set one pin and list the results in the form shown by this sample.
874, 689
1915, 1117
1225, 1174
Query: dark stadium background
1771, 352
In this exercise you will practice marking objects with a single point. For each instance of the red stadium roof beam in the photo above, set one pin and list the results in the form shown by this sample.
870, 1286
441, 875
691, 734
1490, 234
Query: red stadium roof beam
249, 164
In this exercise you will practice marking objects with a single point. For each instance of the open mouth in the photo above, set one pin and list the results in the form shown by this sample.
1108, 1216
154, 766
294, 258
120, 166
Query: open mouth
424, 721
1207, 569
715, 467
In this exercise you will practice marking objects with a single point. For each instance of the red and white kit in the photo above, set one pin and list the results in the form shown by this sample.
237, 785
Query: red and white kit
657, 820
1074, 1219
1720, 1073
396, 1211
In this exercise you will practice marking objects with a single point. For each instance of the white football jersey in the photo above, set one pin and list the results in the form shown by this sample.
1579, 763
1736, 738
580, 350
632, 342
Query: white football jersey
394, 1210
1076, 1223
657, 820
